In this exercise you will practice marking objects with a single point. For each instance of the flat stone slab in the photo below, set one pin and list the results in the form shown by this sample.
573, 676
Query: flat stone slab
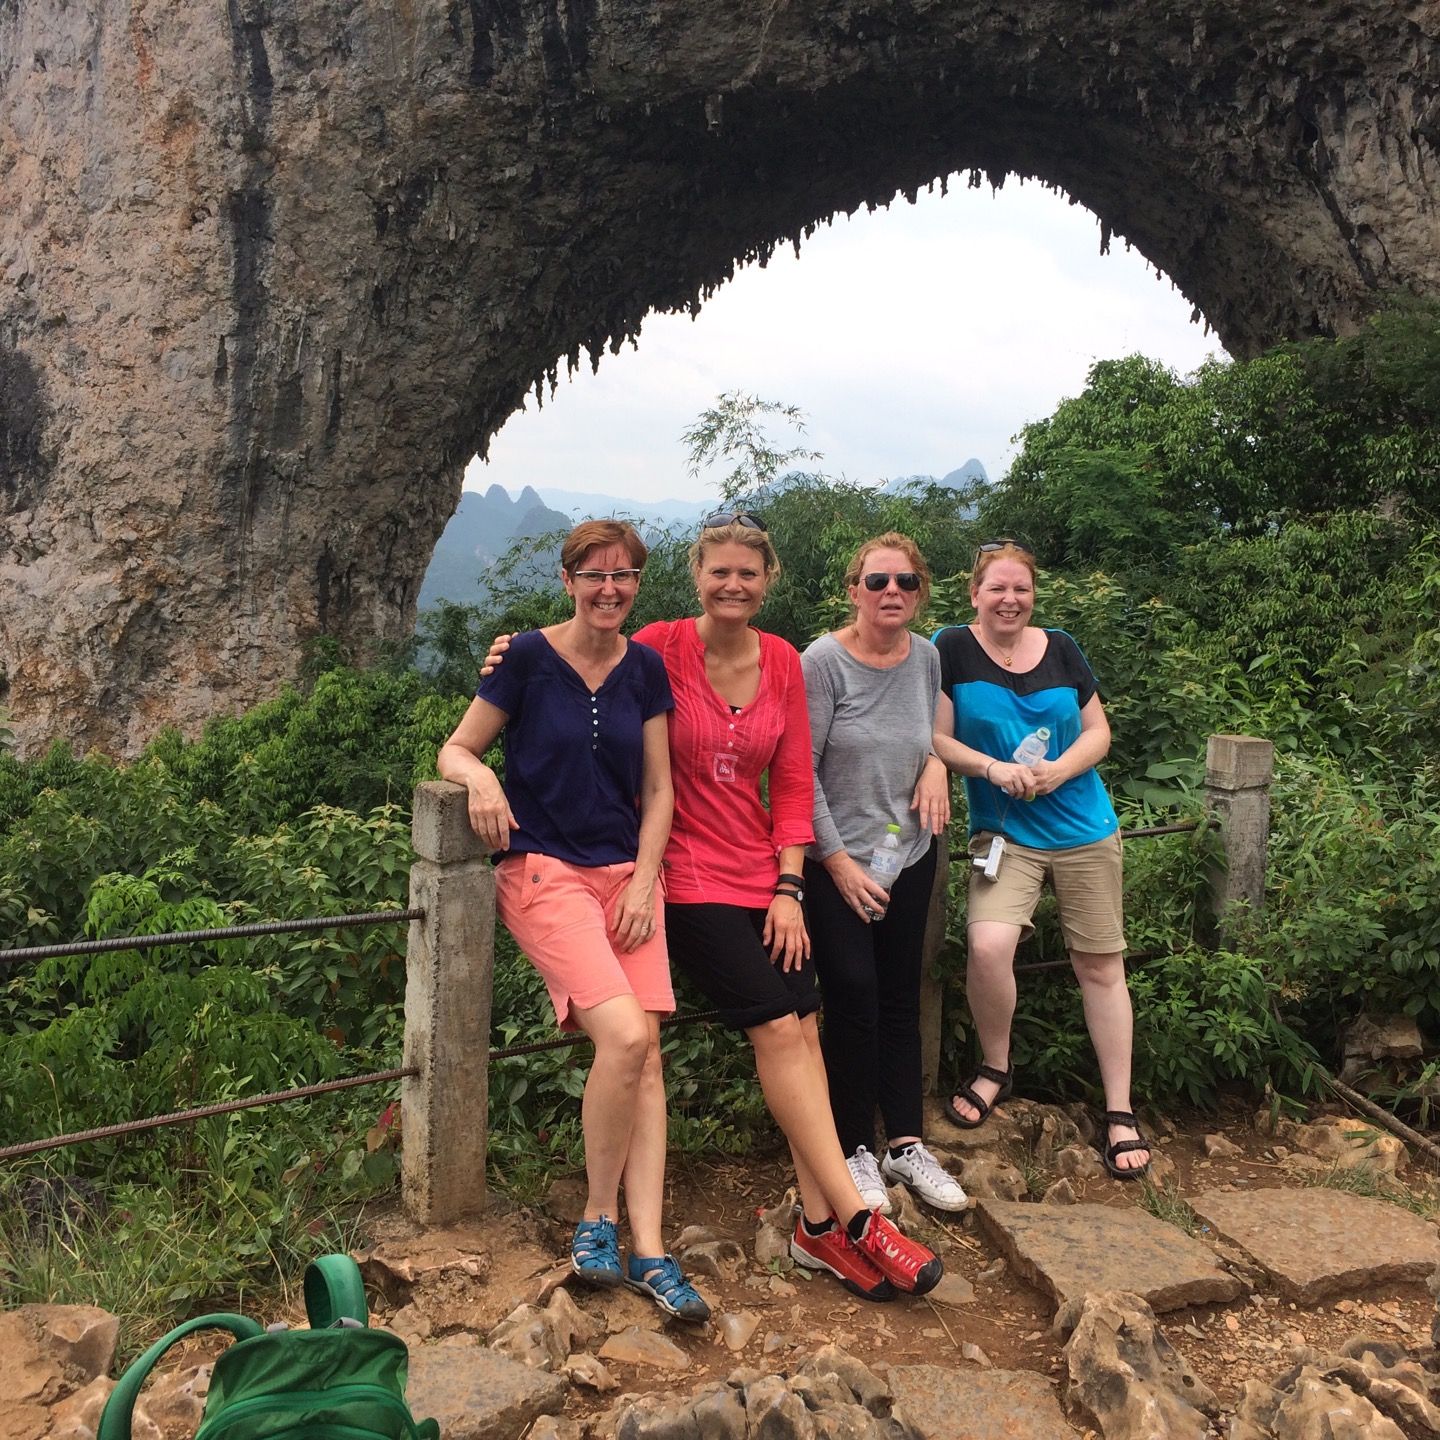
1315, 1243
479, 1394
1068, 1251
952, 1404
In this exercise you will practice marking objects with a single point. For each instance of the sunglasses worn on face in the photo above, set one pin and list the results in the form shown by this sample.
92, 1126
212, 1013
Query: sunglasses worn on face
732, 517
877, 580
622, 578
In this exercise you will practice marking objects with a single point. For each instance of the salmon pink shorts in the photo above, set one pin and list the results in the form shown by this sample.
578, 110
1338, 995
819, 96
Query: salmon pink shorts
560, 916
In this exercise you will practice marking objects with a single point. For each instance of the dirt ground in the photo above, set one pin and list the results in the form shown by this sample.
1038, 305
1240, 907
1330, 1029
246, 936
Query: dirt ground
1007, 1319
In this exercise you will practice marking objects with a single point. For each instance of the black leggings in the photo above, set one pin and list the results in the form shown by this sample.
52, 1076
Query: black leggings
870, 978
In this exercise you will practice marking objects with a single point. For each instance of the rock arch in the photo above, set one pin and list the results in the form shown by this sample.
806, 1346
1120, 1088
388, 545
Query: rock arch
270, 272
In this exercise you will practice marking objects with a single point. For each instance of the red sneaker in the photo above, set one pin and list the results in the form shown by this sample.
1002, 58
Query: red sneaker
908, 1266
835, 1251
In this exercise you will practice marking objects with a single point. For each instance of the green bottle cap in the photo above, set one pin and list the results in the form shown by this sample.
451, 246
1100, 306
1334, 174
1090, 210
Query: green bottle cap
893, 829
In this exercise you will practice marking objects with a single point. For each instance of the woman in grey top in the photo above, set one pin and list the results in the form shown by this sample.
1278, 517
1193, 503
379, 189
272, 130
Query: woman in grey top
872, 688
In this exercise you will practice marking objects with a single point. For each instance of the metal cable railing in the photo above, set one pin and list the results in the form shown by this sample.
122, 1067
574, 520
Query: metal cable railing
1180, 827
379, 1077
195, 937
300, 1092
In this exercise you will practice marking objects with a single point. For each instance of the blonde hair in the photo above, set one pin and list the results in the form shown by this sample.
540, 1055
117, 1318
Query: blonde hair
736, 534
891, 540
1007, 550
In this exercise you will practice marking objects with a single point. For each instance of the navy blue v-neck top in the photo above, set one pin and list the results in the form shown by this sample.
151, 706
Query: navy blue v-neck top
574, 758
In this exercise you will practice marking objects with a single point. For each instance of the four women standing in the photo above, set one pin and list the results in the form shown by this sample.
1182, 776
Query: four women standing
853, 745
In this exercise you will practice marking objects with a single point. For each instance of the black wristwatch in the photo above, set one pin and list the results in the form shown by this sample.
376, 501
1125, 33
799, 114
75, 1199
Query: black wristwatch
793, 894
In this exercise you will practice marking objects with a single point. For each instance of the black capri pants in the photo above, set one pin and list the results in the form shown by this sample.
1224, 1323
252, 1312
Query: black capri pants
718, 948
870, 978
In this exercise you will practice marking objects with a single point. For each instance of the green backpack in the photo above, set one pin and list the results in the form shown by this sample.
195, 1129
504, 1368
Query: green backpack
338, 1380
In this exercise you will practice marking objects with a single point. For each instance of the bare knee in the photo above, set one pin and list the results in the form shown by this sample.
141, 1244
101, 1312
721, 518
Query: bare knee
781, 1036
627, 1046
652, 1067
1100, 972
991, 948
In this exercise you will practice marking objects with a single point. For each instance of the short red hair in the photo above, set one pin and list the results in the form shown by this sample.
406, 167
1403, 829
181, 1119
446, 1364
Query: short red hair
591, 535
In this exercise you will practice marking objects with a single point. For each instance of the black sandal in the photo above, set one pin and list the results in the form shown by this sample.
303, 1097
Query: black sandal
1005, 1079
1115, 1148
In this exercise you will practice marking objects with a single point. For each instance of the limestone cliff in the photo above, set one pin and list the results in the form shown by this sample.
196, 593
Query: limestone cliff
271, 270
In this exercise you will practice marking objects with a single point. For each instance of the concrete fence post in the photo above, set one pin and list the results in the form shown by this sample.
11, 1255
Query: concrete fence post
932, 992
449, 967
1238, 771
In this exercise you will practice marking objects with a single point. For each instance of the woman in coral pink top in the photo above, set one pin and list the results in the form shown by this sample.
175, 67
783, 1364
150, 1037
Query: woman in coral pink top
733, 894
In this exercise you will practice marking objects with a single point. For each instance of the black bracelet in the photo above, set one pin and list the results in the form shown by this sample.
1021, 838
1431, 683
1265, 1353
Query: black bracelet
797, 880
790, 894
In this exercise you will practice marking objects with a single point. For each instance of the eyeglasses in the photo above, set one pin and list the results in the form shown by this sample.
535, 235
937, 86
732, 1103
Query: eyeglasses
733, 517
988, 547
621, 578
877, 580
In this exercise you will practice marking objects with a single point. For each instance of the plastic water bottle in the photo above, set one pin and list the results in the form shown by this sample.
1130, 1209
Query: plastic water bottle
885, 862
1033, 747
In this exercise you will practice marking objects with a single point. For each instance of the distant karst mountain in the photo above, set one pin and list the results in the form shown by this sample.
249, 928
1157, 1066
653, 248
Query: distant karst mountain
484, 526
971, 471
480, 531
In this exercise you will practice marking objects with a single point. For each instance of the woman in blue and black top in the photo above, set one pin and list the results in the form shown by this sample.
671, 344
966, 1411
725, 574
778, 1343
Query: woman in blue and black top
1003, 680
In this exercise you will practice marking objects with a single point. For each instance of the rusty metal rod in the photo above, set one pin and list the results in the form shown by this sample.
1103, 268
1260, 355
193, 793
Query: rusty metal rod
274, 1097
194, 937
202, 1112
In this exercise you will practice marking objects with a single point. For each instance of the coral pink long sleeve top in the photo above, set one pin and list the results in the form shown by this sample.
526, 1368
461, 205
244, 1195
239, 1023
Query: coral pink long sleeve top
724, 842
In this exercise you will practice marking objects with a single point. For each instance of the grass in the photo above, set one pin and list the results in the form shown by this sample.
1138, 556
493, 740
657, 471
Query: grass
1037, 1179
152, 1257
1375, 1184
1167, 1204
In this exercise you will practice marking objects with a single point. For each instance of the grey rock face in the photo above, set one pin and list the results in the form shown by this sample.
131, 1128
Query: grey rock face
987, 1177
944, 1402
832, 1396
1312, 1404
272, 272
1071, 1250
634, 1346
1126, 1378
543, 1338
477, 1394
1318, 1243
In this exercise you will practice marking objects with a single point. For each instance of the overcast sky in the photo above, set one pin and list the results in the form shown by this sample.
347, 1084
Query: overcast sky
912, 338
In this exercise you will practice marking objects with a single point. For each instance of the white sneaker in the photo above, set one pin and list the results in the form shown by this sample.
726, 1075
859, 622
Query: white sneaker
865, 1171
916, 1167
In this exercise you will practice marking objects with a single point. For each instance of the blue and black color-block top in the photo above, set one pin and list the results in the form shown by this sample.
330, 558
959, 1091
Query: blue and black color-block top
996, 708
574, 759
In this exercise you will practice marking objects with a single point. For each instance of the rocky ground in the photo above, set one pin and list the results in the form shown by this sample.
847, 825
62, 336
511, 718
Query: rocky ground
1237, 1298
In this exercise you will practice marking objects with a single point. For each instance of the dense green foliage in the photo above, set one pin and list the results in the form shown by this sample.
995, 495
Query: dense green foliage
1250, 550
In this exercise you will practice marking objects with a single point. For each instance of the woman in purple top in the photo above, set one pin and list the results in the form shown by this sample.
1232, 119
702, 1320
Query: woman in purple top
579, 829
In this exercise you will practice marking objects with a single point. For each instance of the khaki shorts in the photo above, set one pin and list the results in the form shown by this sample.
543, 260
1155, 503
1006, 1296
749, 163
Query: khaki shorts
1087, 880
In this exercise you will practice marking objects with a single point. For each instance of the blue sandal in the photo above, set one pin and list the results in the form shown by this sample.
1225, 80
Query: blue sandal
595, 1252
662, 1280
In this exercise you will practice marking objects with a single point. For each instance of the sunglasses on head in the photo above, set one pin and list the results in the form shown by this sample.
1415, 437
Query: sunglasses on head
989, 547
877, 580
732, 517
